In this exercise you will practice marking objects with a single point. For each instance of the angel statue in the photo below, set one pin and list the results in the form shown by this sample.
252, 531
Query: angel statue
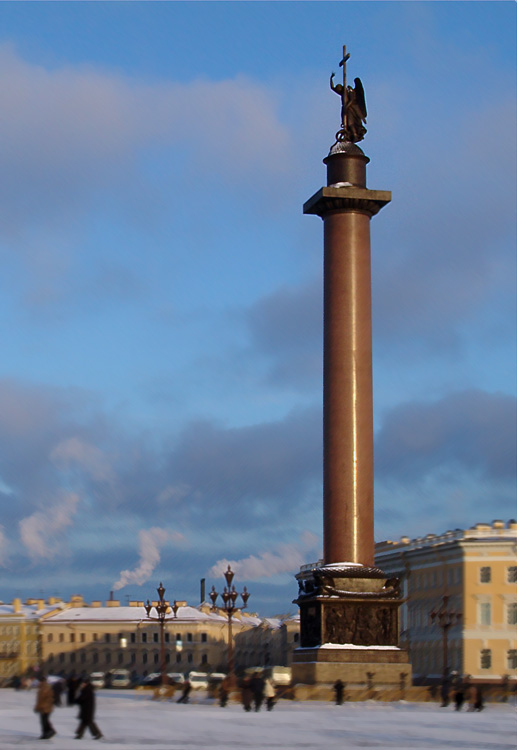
353, 110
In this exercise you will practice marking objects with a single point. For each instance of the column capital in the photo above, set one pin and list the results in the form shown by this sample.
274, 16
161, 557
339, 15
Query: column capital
346, 198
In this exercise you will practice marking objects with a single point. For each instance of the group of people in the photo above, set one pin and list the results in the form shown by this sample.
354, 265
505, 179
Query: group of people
254, 690
474, 696
80, 692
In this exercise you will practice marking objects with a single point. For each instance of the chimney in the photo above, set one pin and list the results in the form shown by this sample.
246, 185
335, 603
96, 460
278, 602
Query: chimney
17, 605
202, 590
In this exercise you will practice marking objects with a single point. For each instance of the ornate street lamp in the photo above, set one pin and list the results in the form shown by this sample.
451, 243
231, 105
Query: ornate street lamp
445, 618
229, 597
162, 608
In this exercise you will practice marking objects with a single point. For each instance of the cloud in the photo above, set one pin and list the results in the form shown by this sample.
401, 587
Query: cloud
40, 533
150, 542
469, 430
286, 558
88, 457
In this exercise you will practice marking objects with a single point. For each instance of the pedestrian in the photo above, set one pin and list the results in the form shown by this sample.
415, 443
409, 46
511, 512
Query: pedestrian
257, 689
246, 694
224, 691
445, 693
86, 703
71, 689
184, 697
478, 699
339, 689
43, 707
57, 689
269, 694
459, 698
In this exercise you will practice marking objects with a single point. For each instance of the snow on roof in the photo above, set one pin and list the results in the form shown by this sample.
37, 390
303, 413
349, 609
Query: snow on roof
26, 611
127, 614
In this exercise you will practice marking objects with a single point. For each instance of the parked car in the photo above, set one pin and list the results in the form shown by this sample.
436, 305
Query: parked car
98, 679
215, 678
198, 680
176, 677
120, 678
279, 675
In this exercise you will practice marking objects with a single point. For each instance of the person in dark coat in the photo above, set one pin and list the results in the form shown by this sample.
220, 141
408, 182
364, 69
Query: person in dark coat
257, 689
43, 707
478, 699
459, 699
246, 694
57, 689
71, 689
86, 703
187, 687
339, 689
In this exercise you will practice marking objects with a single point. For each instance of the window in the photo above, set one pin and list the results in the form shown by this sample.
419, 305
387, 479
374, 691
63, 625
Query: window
512, 574
83, 637
178, 658
72, 637
486, 658
485, 613
189, 658
133, 637
204, 637
511, 613
189, 637
204, 659
156, 658
167, 658
95, 657
485, 574
144, 637
133, 657
178, 636
51, 657
83, 658
50, 637
61, 658
107, 637
144, 657
511, 658
61, 638
167, 637
155, 637
95, 637
72, 657
107, 657
120, 657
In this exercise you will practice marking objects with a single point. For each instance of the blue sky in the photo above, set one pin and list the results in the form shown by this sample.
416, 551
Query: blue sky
160, 301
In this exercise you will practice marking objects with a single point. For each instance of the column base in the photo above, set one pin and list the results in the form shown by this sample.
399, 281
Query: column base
349, 627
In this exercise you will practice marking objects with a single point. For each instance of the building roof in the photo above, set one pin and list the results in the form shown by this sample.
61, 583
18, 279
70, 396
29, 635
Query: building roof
128, 614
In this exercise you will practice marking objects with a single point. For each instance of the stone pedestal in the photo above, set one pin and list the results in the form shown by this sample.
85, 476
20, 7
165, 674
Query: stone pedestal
349, 628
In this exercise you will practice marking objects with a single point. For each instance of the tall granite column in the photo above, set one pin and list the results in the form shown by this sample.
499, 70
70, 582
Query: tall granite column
348, 607
346, 207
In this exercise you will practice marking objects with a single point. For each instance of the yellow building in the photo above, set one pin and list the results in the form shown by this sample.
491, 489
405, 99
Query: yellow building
19, 635
474, 629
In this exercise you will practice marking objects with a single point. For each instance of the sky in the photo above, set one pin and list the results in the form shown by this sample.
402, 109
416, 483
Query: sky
161, 289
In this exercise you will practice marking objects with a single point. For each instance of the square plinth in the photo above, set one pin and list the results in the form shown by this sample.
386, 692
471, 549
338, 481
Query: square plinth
384, 667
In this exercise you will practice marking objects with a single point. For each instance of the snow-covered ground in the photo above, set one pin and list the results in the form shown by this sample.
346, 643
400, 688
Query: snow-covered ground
132, 720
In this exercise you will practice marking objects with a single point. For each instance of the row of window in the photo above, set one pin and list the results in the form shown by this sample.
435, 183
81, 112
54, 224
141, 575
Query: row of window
486, 658
132, 637
485, 613
485, 574
108, 658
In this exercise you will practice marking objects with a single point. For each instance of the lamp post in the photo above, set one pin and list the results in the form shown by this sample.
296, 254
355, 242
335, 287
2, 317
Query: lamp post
162, 610
229, 597
445, 618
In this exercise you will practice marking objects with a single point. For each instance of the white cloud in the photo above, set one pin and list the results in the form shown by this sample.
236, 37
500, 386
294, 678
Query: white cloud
286, 558
150, 542
89, 457
40, 531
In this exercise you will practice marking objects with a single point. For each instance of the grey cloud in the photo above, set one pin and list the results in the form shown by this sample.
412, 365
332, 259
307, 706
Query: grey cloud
471, 431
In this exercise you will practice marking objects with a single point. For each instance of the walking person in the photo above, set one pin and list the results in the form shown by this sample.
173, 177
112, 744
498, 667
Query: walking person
459, 699
187, 687
246, 694
86, 703
44, 706
269, 694
257, 688
339, 689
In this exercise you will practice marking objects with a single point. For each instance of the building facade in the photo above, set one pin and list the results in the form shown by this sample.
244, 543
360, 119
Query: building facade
470, 577
76, 637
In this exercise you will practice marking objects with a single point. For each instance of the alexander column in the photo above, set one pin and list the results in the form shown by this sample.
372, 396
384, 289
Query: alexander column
347, 602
